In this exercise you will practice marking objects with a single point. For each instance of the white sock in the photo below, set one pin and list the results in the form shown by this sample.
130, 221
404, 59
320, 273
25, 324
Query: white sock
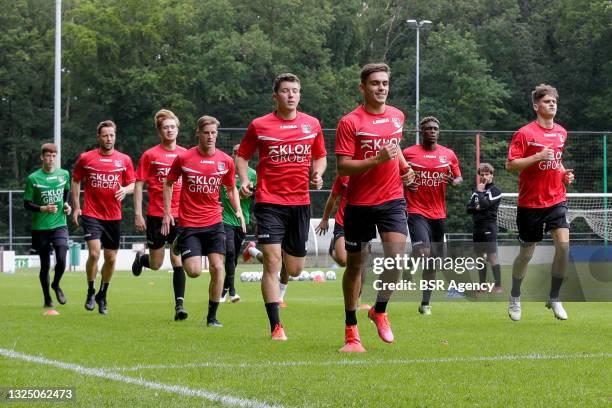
254, 252
282, 287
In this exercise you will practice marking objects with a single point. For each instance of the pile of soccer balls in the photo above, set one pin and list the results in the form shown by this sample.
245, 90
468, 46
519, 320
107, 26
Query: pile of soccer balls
317, 276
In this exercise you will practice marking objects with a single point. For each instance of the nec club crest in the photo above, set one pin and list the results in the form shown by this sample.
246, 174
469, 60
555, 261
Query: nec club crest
396, 122
561, 138
442, 159
118, 163
221, 166
306, 128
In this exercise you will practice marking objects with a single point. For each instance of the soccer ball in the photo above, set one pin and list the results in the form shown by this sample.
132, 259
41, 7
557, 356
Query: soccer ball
304, 275
330, 275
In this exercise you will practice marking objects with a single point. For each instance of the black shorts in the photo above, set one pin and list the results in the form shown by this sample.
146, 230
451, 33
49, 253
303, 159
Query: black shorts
485, 238
45, 240
155, 239
107, 231
534, 222
426, 232
338, 233
200, 241
361, 221
285, 225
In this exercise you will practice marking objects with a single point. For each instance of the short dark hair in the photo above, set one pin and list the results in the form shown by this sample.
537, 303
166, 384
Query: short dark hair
543, 90
371, 68
105, 123
286, 77
48, 148
486, 168
428, 119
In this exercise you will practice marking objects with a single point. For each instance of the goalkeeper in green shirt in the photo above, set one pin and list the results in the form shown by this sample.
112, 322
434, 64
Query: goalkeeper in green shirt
234, 236
46, 196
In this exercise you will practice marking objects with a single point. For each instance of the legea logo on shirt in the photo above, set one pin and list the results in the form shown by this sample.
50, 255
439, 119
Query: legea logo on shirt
298, 153
288, 126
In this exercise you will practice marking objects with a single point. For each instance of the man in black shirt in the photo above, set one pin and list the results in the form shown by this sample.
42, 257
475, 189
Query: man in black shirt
483, 206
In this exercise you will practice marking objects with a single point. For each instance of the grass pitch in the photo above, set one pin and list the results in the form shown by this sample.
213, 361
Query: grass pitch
466, 354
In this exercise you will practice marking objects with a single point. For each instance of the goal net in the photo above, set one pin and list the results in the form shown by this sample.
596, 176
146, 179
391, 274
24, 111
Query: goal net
594, 208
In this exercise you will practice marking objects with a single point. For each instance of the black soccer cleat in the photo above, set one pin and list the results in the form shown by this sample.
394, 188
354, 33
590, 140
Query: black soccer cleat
59, 294
136, 265
181, 313
90, 302
213, 323
101, 301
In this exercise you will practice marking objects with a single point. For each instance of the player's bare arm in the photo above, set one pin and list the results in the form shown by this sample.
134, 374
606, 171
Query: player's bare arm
246, 187
232, 194
168, 219
75, 194
318, 168
124, 191
329, 206
139, 220
347, 166
547, 153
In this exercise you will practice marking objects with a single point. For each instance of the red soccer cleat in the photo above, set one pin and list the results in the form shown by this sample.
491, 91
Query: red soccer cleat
278, 333
382, 324
352, 342
245, 254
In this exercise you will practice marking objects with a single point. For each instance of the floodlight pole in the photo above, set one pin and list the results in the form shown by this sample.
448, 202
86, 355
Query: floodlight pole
417, 25
57, 105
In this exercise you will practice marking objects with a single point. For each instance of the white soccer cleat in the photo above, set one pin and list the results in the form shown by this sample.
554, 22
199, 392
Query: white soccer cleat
235, 298
514, 308
557, 309
223, 299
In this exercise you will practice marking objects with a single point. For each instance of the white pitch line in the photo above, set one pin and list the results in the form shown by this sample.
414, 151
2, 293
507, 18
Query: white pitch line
365, 362
104, 373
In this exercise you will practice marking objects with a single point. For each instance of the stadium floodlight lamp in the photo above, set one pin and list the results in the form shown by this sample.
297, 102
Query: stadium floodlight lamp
418, 25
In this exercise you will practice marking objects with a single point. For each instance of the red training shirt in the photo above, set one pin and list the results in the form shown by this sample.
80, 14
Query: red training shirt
153, 168
361, 135
285, 150
541, 184
202, 175
430, 167
103, 175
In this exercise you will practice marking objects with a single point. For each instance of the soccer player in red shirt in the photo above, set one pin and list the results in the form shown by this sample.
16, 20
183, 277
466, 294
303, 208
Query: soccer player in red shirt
153, 167
203, 169
434, 166
290, 143
108, 176
535, 151
367, 148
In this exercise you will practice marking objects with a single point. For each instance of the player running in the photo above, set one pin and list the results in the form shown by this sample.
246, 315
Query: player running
46, 196
153, 167
203, 169
435, 166
536, 151
289, 143
109, 177
367, 146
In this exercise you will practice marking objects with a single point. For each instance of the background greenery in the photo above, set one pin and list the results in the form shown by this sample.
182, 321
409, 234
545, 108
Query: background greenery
125, 59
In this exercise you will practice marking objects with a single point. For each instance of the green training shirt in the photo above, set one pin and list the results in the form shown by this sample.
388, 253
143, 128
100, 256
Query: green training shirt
47, 188
229, 214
